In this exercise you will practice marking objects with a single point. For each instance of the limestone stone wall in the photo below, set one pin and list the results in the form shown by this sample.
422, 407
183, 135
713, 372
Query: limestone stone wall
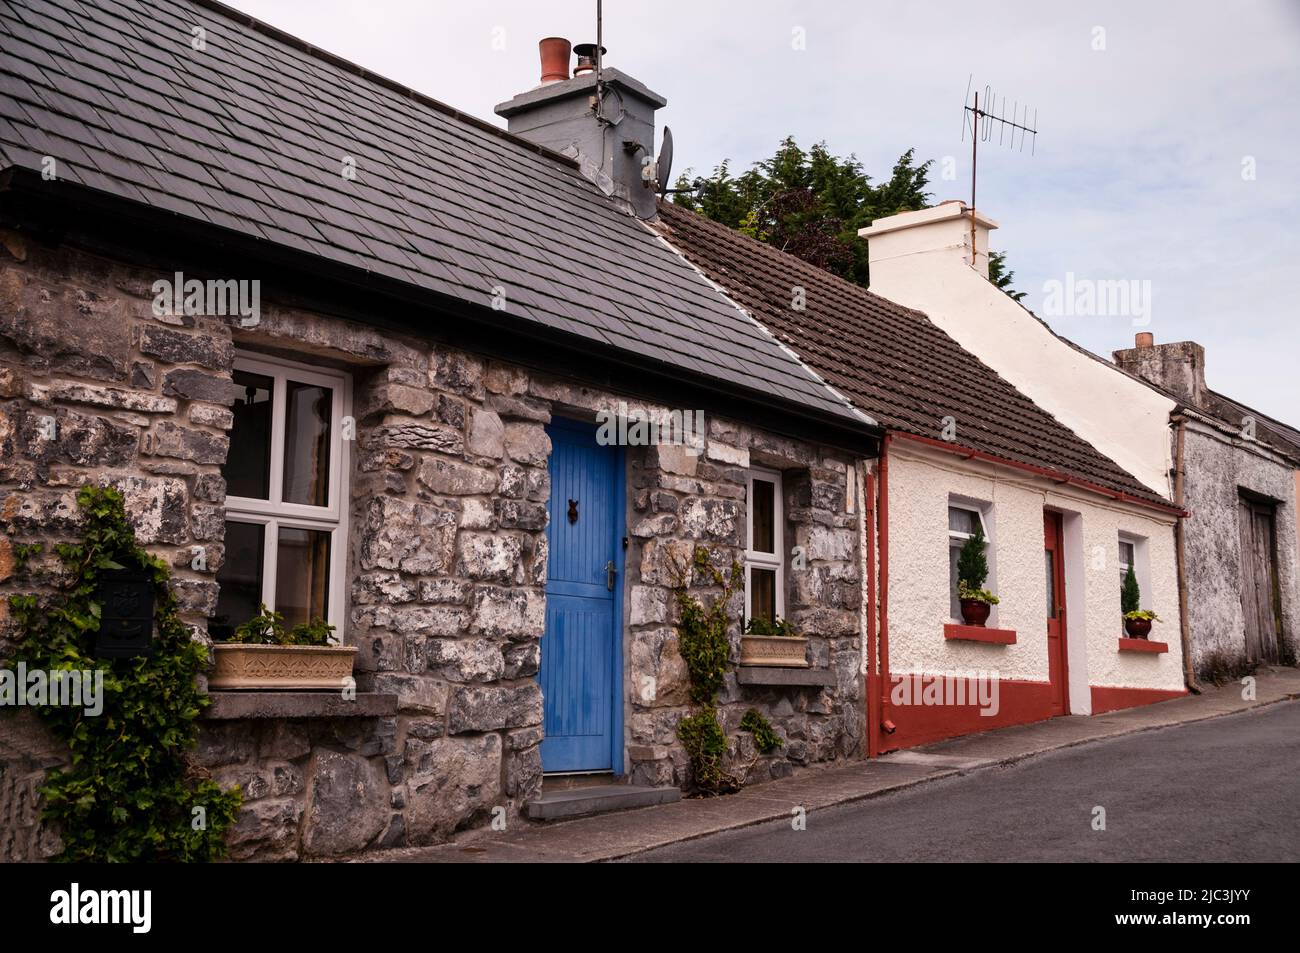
1218, 468
678, 501
447, 550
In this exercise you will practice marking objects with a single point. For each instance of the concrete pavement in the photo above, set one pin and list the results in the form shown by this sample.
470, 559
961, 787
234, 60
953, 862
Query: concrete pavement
625, 834
1220, 790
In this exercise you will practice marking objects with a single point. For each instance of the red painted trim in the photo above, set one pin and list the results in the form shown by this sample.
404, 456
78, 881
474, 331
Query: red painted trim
1058, 625
1019, 703
1060, 477
1142, 645
979, 633
871, 686
1111, 699
882, 672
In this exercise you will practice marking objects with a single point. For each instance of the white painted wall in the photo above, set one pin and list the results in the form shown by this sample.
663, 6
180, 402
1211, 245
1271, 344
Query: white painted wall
921, 482
922, 260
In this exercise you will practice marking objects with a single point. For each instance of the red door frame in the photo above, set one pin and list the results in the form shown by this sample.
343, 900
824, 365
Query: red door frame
1058, 667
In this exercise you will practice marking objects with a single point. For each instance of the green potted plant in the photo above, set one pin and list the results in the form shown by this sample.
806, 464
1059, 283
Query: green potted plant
1137, 621
264, 653
972, 571
773, 642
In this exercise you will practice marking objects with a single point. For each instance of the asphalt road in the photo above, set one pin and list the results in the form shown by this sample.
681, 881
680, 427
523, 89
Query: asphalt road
1226, 790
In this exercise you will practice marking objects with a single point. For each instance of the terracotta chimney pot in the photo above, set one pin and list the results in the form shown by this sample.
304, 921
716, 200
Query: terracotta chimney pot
1144, 339
555, 52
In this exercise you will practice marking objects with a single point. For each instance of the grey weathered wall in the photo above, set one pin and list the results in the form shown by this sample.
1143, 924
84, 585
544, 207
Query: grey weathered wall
447, 553
1217, 466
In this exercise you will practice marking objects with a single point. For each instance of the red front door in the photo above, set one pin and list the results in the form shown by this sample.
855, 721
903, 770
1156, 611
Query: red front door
1058, 672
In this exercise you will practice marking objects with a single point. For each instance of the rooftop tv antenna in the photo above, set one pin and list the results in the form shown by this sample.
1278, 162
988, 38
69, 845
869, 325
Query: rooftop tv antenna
600, 65
981, 117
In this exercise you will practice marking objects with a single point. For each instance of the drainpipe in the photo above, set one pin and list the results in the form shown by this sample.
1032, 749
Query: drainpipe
1180, 551
884, 724
867, 535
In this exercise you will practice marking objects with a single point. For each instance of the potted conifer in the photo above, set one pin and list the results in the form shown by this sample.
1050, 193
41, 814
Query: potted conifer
972, 571
1137, 621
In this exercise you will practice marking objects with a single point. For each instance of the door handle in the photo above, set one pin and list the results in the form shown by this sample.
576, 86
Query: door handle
609, 575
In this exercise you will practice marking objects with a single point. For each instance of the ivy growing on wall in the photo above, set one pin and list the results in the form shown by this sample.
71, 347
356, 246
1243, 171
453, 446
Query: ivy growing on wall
702, 633
765, 737
130, 792
704, 645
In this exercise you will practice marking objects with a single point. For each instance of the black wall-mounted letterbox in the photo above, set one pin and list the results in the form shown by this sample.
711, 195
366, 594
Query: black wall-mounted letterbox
125, 598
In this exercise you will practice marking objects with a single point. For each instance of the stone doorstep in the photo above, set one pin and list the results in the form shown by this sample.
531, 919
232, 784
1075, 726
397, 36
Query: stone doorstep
913, 756
598, 799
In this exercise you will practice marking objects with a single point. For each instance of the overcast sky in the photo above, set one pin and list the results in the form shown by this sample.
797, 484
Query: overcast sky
1151, 117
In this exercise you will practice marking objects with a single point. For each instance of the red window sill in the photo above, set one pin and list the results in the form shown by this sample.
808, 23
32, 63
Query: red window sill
978, 633
1142, 645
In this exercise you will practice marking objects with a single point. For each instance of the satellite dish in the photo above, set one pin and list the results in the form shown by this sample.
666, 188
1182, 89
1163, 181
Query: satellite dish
664, 164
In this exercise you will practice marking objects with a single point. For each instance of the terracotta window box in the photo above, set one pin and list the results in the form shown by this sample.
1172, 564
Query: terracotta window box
285, 667
1142, 645
781, 651
978, 633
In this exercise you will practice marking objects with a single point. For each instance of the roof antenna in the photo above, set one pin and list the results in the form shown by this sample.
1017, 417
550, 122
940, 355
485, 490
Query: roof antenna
600, 70
981, 117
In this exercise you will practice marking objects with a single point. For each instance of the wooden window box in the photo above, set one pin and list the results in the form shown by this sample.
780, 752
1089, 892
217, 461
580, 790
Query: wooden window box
979, 633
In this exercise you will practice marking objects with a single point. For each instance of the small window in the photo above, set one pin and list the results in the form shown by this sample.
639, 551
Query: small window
963, 523
1127, 559
765, 550
1133, 552
285, 533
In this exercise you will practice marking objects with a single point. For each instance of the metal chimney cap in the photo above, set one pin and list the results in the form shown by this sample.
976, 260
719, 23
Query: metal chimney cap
586, 53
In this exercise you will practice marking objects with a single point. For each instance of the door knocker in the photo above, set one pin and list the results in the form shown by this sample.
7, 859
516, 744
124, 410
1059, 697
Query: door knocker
573, 511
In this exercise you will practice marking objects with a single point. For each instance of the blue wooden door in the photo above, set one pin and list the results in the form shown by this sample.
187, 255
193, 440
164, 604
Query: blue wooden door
581, 647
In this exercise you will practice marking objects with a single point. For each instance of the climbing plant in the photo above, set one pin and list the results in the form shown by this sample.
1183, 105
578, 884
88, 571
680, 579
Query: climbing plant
706, 744
765, 737
130, 792
702, 633
704, 645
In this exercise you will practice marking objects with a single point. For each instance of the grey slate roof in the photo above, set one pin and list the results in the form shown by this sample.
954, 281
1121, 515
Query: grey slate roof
249, 134
1281, 437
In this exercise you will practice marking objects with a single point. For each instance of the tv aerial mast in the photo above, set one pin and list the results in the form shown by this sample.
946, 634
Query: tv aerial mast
981, 117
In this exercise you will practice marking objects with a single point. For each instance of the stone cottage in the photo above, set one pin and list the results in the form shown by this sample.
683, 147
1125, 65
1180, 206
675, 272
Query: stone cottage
1238, 471
964, 450
347, 353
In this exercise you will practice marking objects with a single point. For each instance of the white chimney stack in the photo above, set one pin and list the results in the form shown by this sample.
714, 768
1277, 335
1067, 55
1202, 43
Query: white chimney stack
922, 260
943, 230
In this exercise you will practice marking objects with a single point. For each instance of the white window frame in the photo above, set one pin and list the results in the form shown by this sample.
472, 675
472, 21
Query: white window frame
958, 537
1139, 544
760, 560
1123, 566
273, 513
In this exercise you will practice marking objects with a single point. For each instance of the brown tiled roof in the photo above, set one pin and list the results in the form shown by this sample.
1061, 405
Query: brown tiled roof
891, 361
249, 134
